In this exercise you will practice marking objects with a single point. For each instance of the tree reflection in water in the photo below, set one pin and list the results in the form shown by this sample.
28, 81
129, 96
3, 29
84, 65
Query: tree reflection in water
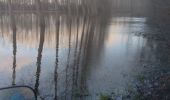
82, 45
40, 51
14, 30
82, 36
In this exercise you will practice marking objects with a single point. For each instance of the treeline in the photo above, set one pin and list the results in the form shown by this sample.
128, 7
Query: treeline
70, 6
161, 13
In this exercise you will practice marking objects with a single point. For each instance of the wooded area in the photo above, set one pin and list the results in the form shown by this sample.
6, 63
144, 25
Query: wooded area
73, 6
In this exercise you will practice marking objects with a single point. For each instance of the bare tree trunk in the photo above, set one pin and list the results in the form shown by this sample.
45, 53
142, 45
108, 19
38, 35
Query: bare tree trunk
14, 29
40, 49
56, 4
38, 5
57, 60
68, 60
79, 54
75, 61
9, 5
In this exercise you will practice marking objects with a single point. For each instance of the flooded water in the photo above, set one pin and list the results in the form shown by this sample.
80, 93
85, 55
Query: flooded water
89, 55
69, 57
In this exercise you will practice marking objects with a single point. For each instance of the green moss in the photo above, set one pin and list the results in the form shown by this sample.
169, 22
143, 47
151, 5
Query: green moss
141, 78
78, 93
104, 97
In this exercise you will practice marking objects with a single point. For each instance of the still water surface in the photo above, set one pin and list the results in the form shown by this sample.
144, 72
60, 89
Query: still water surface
68, 57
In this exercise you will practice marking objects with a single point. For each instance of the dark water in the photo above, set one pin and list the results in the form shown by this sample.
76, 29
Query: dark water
75, 57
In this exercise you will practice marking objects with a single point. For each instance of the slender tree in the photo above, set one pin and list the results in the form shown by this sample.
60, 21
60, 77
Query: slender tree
68, 59
14, 30
40, 49
75, 60
57, 59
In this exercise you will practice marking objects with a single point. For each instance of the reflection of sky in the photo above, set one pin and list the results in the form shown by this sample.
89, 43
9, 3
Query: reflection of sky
119, 56
5, 51
119, 51
27, 52
26, 59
